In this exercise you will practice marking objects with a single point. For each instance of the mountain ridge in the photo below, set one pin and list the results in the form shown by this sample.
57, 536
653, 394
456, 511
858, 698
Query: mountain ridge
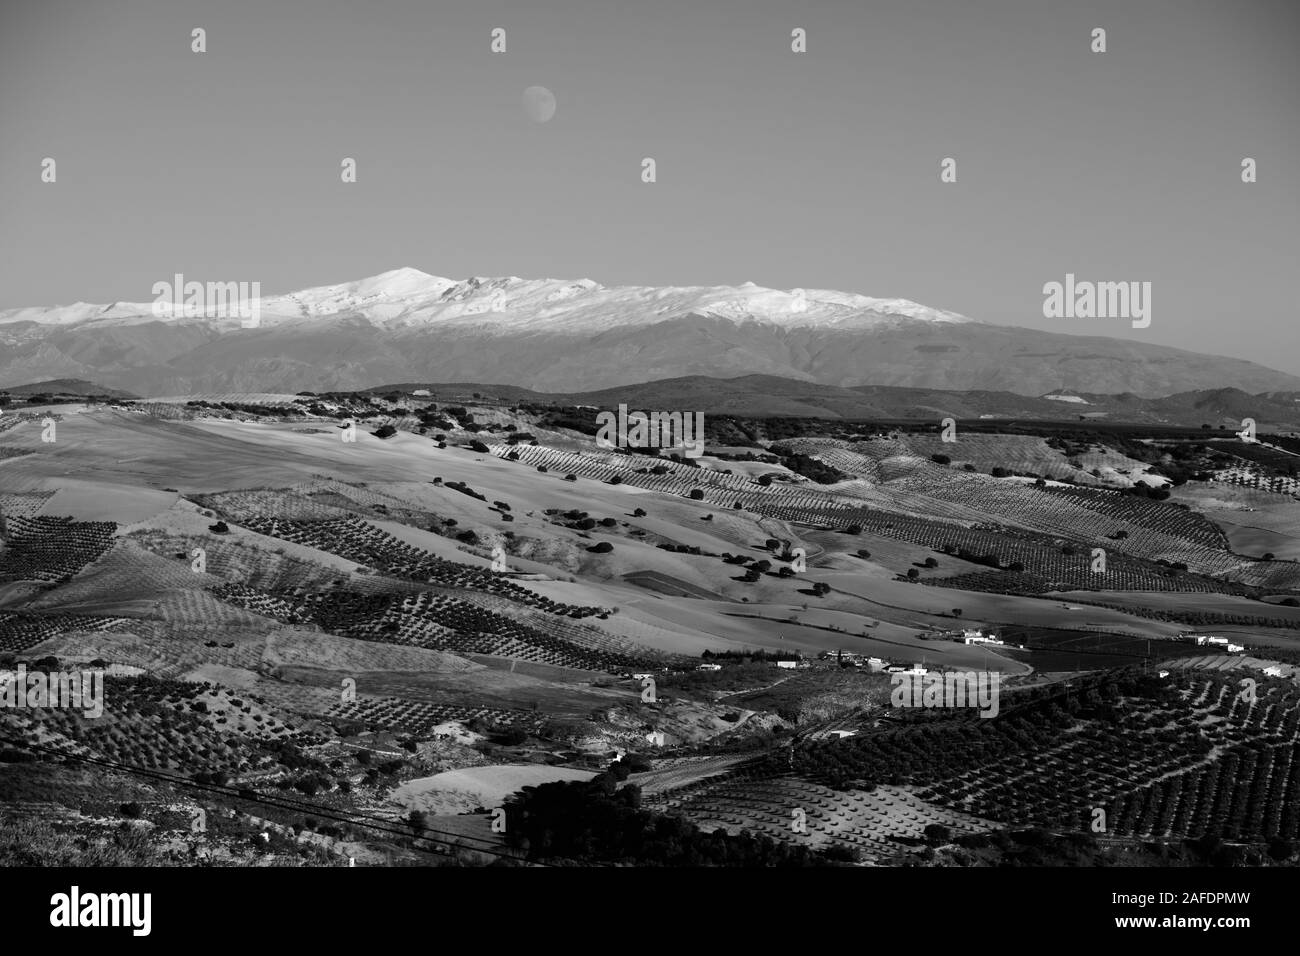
557, 335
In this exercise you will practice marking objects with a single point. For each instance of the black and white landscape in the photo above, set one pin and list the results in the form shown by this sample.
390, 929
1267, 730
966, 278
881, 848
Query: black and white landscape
660, 567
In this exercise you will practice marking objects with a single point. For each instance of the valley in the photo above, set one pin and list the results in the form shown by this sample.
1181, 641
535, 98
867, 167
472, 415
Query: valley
378, 642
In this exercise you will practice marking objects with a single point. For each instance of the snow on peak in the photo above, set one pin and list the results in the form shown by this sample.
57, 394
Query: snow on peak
408, 297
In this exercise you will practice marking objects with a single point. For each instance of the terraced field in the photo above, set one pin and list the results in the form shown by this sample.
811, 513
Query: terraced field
796, 810
433, 621
1186, 755
18, 631
420, 717
51, 549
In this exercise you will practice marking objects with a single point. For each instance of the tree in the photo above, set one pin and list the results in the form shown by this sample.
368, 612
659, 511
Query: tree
913, 574
936, 834
956, 612
696, 494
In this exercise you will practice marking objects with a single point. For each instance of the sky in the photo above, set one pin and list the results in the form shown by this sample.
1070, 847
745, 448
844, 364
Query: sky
818, 169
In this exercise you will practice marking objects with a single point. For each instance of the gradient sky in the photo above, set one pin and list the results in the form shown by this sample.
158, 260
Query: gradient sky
814, 170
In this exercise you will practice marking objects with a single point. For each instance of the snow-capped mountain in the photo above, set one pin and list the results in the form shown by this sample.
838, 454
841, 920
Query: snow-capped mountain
408, 298
567, 335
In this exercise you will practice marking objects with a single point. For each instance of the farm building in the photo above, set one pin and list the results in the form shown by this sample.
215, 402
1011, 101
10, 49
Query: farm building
709, 667
789, 665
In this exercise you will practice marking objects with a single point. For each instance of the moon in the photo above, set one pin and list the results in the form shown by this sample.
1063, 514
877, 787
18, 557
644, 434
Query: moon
539, 103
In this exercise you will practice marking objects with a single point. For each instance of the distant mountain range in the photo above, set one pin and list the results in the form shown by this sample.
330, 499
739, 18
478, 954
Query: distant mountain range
757, 396
551, 334
768, 395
